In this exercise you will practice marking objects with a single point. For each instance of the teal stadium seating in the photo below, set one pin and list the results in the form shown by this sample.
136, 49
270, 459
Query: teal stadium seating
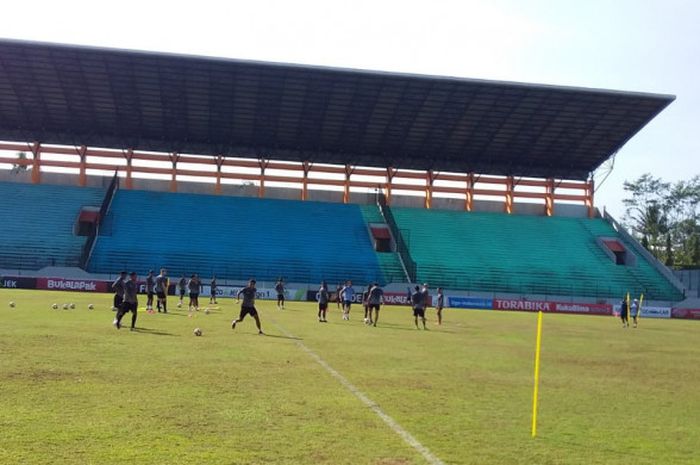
36, 224
236, 238
523, 254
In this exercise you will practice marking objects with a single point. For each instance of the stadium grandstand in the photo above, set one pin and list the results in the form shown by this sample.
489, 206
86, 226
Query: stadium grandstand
240, 168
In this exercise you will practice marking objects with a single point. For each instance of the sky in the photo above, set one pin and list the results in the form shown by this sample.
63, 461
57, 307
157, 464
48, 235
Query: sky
635, 45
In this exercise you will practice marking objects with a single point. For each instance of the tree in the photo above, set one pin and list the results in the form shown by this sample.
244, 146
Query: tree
658, 211
19, 167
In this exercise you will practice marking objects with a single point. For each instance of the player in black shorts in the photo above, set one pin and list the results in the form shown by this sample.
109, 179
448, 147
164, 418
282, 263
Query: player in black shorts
212, 292
440, 304
322, 297
375, 299
279, 287
248, 305
417, 301
195, 286
162, 290
118, 288
182, 289
365, 295
130, 303
150, 291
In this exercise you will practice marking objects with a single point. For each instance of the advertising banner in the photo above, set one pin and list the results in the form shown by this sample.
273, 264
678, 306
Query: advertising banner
552, 307
686, 313
82, 285
656, 312
12, 282
470, 302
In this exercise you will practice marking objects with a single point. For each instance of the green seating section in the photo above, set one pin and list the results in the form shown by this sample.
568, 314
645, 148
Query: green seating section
523, 254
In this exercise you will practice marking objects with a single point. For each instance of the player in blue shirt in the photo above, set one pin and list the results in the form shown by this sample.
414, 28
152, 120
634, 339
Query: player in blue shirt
347, 294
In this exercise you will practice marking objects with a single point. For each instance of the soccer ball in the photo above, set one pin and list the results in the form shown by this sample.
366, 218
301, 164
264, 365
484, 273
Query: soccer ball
197, 332
65, 306
72, 306
12, 305
206, 311
90, 307
179, 304
54, 306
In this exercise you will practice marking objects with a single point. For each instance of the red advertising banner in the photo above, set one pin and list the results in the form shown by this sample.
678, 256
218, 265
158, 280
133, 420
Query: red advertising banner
551, 307
686, 313
60, 284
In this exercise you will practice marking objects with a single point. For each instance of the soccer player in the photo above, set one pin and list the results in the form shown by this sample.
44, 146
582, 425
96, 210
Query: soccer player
150, 285
322, 297
624, 313
440, 304
195, 286
347, 293
118, 288
181, 287
374, 301
338, 290
130, 303
365, 304
248, 305
279, 287
162, 290
634, 310
418, 303
212, 286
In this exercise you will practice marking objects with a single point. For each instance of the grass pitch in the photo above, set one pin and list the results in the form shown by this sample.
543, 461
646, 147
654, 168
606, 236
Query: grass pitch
74, 390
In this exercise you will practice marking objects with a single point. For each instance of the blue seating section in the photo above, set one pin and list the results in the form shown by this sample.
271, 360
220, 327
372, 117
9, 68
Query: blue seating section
36, 224
235, 238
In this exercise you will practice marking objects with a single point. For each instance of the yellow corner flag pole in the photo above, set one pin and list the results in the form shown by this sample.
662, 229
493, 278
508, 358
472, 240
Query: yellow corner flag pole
639, 308
538, 344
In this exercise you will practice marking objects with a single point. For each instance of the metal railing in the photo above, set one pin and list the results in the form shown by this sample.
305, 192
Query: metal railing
401, 246
104, 209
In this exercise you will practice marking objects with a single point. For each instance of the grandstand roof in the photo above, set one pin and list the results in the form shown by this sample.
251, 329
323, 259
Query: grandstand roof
60, 94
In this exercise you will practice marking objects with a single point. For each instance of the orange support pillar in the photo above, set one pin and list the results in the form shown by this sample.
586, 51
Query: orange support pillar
174, 158
549, 198
219, 162
390, 173
82, 177
263, 167
306, 166
429, 178
346, 185
469, 200
509, 195
589, 198
129, 155
36, 163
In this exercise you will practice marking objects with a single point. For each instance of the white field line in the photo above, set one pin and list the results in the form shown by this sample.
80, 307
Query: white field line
398, 429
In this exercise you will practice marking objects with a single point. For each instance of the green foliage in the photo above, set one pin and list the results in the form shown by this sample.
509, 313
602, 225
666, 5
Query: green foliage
665, 217
75, 390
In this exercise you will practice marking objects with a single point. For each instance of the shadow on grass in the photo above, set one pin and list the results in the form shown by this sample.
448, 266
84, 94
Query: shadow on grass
279, 336
153, 332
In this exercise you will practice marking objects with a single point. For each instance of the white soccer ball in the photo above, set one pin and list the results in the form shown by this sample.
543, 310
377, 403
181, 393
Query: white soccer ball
90, 307
179, 304
12, 305
54, 306
72, 306
65, 306
206, 310
197, 332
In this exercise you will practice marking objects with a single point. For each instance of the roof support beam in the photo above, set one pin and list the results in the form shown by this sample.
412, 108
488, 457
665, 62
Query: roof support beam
36, 164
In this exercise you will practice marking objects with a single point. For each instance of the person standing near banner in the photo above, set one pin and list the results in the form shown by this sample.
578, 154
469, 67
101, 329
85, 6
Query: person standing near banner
634, 311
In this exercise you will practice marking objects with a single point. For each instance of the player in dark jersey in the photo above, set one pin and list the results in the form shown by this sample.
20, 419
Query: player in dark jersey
625, 313
118, 288
440, 304
365, 295
182, 289
161, 288
279, 287
194, 285
130, 303
248, 305
375, 299
338, 290
418, 304
212, 290
150, 291
322, 297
